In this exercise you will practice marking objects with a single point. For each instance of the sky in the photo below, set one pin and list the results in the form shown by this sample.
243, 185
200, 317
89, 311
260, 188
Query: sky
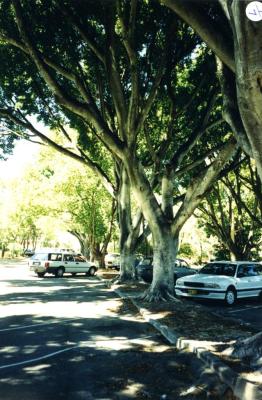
24, 154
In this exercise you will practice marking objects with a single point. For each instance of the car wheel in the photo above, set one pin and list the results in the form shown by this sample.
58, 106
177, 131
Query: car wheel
59, 273
91, 271
40, 274
230, 297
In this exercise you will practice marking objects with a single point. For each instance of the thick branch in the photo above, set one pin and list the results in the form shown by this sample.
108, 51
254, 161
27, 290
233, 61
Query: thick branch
81, 109
86, 161
200, 184
185, 148
230, 107
80, 28
152, 94
127, 33
203, 25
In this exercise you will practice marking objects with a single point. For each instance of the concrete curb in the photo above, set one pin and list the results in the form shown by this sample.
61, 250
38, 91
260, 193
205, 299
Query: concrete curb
243, 389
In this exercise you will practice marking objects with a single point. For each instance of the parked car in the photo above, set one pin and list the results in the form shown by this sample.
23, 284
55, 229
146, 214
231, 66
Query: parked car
28, 252
112, 260
59, 262
144, 269
223, 280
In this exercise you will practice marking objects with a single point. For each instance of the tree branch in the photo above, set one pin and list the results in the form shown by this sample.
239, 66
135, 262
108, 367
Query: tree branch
203, 25
184, 149
127, 33
7, 114
81, 109
200, 184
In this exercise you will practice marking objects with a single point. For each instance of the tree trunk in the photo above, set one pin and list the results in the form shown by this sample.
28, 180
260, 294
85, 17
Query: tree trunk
165, 249
247, 43
164, 246
83, 241
128, 232
250, 348
3, 251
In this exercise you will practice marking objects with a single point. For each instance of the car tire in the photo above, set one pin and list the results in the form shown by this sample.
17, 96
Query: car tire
59, 273
91, 271
230, 296
40, 274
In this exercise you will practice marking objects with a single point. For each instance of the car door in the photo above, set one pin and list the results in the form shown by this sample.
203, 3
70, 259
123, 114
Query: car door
69, 263
249, 280
81, 264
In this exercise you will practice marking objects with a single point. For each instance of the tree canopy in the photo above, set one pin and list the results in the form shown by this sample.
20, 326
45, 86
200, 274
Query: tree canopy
134, 81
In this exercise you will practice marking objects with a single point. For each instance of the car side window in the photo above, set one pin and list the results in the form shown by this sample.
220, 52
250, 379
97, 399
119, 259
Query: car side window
229, 270
68, 257
247, 270
79, 259
251, 270
258, 269
54, 257
240, 272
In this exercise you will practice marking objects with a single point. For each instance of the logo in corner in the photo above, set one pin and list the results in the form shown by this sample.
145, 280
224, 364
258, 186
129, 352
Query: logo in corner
254, 11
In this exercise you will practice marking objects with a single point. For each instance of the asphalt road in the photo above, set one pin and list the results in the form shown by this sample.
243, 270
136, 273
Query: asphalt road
245, 311
72, 338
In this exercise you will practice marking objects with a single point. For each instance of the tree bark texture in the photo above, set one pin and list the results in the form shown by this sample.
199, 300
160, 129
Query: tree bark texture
248, 60
126, 240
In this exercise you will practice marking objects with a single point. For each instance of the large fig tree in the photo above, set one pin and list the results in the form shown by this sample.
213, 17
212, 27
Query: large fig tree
113, 68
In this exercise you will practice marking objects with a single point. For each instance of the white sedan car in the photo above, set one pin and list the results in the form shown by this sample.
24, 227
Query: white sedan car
223, 280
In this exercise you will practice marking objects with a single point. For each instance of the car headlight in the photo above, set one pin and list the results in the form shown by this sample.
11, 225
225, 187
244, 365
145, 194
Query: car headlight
211, 285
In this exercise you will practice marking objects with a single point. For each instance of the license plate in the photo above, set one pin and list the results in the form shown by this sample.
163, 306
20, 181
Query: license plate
36, 263
192, 291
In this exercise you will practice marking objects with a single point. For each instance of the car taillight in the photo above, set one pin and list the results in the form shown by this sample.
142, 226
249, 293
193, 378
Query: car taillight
46, 264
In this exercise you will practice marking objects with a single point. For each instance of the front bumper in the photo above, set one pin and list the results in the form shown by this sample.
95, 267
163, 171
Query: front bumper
201, 293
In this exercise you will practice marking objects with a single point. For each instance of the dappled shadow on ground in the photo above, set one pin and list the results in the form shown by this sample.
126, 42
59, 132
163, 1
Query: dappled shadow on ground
89, 358
72, 338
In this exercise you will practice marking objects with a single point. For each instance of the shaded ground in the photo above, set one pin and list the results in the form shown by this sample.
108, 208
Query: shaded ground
193, 321
73, 339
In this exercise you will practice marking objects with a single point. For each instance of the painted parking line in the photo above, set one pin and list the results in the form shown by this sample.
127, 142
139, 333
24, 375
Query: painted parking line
83, 344
32, 360
244, 309
17, 328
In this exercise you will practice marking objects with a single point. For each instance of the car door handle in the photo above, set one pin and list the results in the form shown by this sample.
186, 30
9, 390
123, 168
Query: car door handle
77, 262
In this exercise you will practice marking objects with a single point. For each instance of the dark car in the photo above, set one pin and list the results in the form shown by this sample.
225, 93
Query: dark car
29, 253
144, 269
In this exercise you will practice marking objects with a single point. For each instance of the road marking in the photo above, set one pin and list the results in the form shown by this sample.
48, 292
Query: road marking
87, 343
39, 324
244, 309
32, 360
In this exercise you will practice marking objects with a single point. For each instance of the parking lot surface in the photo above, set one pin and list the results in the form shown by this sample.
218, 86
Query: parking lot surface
72, 338
245, 311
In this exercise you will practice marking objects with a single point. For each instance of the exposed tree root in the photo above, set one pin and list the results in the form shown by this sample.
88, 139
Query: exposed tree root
210, 387
157, 295
248, 349
118, 280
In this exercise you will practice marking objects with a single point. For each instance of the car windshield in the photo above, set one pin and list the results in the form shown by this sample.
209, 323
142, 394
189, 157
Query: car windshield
39, 256
219, 269
146, 261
